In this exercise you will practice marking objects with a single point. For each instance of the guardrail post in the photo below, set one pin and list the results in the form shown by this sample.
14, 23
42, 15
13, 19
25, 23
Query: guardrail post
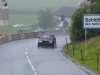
66, 44
97, 61
82, 55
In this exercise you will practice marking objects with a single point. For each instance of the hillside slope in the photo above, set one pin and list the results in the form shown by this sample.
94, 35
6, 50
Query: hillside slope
89, 55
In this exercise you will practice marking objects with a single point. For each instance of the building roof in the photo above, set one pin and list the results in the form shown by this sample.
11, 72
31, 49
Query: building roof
66, 11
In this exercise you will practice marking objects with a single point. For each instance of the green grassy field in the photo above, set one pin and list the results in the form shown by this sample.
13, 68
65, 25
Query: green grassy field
22, 19
33, 5
89, 59
14, 29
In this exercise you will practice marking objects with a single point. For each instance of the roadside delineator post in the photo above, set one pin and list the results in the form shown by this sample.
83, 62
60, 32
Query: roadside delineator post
66, 44
97, 74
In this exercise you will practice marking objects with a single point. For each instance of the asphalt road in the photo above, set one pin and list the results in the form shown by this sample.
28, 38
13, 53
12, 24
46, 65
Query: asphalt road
23, 57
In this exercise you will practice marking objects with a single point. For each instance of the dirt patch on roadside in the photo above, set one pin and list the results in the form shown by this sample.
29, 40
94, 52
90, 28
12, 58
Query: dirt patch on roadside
3, 33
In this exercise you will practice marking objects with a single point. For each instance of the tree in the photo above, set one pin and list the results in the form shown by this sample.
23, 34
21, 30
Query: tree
46, 19
95, 9
76, 30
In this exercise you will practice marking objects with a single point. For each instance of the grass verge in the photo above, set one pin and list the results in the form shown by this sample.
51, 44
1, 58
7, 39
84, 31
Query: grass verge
89, 55
14, 29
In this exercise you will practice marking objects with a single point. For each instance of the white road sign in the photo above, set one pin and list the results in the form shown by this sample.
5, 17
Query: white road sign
91, 21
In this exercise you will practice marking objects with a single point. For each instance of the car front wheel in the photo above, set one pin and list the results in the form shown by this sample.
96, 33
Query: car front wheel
53, 45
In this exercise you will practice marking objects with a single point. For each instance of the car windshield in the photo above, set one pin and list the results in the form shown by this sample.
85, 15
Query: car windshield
46, 37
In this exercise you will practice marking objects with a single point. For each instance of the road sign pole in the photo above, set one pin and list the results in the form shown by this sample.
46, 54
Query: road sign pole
85, 41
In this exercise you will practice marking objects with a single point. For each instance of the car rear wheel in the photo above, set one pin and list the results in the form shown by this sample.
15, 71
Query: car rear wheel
38, 45
53, 45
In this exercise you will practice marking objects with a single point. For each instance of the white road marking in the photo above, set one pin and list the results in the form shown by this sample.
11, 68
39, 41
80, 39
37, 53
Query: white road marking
35, 73
26, 49
32, 68
30, 46
27, 57
25, 52
82, 71
29, 62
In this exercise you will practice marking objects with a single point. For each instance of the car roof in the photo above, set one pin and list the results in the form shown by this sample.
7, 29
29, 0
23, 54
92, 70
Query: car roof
48, 34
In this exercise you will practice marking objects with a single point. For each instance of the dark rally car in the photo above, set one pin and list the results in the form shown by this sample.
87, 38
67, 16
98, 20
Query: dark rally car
47, 40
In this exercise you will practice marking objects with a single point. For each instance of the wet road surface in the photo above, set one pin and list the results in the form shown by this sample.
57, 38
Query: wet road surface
23, 57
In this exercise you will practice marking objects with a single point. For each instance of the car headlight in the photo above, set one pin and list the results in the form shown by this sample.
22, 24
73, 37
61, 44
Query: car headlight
39, 41
50, 41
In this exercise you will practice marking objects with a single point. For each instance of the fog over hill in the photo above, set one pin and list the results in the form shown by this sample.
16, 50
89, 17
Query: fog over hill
30, 4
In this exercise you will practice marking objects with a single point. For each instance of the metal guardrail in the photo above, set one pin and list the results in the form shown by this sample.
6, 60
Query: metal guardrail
20, 36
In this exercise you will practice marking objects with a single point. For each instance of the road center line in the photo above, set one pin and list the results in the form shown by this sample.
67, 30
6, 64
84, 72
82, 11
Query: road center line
25, 52
26, 49
30, 46
35, 73
27, 57
32, 68
29, 62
